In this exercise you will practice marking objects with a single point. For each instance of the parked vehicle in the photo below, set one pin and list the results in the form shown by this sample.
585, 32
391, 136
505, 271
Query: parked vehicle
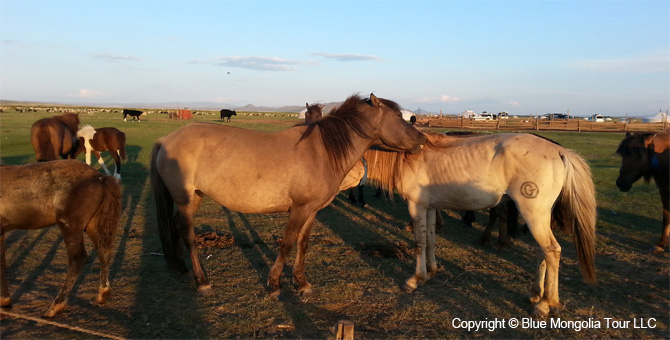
598, 118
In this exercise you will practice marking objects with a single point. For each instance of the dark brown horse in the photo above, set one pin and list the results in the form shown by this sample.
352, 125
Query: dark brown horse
645, 155
55, 137
72, 195
265, 172
103, 139
314, 112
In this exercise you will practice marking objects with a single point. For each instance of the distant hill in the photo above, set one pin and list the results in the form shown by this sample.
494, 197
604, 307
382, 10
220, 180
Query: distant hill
190, 105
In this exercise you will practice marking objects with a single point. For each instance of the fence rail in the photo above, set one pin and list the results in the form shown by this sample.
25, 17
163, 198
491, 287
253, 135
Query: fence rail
540, 124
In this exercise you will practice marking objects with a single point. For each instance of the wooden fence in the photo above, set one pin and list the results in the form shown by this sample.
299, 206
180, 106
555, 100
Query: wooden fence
540, 124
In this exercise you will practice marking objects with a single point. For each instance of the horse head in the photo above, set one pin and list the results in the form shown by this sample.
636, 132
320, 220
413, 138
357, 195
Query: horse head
393, 132
314, 112
637, 159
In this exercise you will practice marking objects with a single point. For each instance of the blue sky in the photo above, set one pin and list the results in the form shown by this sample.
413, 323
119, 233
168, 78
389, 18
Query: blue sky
524, 57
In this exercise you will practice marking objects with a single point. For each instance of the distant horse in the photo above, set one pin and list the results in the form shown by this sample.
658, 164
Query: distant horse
455, 173
56, 137
103, 139
645, 155
74, 196
225, 113
314, 112
132, 113
267, 172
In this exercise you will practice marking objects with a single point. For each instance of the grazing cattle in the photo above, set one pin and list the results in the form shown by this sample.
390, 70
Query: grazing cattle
56, 137
132, 113
225, 113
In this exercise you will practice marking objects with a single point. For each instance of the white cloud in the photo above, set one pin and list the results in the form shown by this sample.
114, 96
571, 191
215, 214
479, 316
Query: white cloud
256, 63
513, 103
86, 93
649, 62
441, 99
347, 57
114, 57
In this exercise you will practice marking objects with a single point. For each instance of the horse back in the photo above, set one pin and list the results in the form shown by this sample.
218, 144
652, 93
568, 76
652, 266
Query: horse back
254, 171
39, 195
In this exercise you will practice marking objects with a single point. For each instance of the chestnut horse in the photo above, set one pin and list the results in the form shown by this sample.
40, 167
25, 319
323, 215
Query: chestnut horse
645, 155
55, 137
265, 172
72, 195
545, 181
103, 139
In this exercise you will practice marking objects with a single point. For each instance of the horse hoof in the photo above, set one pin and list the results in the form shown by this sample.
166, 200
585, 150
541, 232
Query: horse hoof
541, 309
205, 290
275, 294
5, 302
656, 250
306, 290
55, 309
103, 294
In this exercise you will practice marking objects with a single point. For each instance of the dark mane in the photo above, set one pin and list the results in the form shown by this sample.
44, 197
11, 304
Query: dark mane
633, 145
337, 127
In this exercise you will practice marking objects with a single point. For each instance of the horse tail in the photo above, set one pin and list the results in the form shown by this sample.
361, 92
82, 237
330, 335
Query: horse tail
109, 213
122, 146
167, 230
576, 211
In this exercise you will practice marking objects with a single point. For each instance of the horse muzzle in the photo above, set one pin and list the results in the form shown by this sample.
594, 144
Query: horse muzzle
623, 185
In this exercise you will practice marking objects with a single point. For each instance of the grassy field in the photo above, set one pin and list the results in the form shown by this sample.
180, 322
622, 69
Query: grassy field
358, 259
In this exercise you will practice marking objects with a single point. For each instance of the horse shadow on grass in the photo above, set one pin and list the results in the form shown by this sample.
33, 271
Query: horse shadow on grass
260, 257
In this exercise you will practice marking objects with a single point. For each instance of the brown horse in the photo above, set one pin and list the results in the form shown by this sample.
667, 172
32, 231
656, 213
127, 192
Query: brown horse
645, 155
74, 196
265, 172
544, 180
56, 137
314, 112
103, 139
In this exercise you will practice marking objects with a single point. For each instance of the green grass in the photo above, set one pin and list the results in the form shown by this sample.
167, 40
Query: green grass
357, 260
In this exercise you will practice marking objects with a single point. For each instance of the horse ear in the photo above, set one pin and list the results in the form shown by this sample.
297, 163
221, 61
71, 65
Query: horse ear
628, 134
307, 105
375, 101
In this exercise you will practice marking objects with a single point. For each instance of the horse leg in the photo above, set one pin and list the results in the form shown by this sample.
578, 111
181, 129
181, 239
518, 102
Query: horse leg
468, 218
493, 216
503, 214
296, 220
665, 234
431, 263
361, 196
5, 299
101, 161
187, 234
439, 222
352, 197
103, 246
117, 163
305, 288
540, 227
73, 237
418, 214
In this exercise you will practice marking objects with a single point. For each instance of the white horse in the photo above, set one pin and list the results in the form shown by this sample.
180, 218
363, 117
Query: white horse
544, 179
